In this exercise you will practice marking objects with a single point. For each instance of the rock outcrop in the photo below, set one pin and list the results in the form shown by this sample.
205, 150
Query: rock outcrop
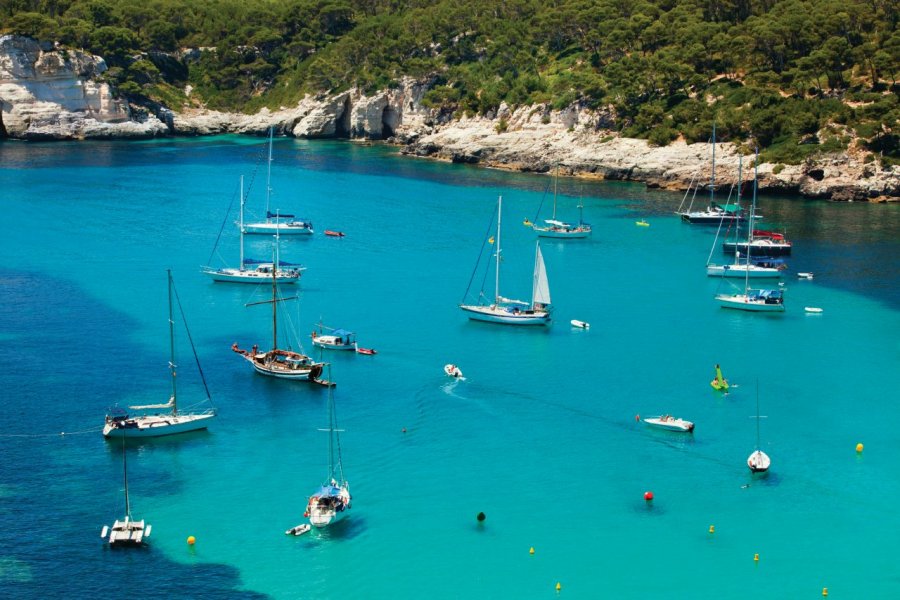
49, 93
54, 93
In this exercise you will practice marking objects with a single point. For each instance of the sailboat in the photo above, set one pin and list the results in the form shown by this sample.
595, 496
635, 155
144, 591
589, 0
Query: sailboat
755, 300
508, 311
554, 228
277, 222
331, 501
758, 461
746, 269
714, 213
166, 420
251, 270
126, 532
277, 362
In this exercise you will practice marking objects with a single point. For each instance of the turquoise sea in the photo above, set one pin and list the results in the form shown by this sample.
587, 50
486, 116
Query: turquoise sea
541, 436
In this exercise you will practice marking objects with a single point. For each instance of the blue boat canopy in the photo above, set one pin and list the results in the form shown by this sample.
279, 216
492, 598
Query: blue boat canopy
253, 261
342, 332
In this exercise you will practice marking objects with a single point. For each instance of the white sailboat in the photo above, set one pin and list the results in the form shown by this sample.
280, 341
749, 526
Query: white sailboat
285, 224
554, 228
758, 461
508, 311
251, 270
164, 419
126, 532
277, 362
745, 268
331, 501
754, 300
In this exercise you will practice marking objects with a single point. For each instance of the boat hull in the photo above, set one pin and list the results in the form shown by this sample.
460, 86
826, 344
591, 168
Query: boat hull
759, 462
757, 249
743, 302
670, 424
279, 228
329, 342
571, 234
742, 271
254, 277
156, 425
503, 316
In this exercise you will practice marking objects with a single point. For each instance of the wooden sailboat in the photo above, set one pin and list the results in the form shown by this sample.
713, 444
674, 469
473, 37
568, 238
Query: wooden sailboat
758, 461
251, 270
161, 419
278, 362
508, 311
331, 501
283, 223
755, 300
126, 532
554, 228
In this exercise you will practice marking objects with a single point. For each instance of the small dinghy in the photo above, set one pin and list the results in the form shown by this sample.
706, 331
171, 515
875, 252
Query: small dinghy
671, 423
580, 324
365, 351
453, 371
332, 233
642, 223
813, 309
299, 529
719, 383
805, 275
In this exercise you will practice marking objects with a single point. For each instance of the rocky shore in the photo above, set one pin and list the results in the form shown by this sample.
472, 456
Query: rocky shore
52, 93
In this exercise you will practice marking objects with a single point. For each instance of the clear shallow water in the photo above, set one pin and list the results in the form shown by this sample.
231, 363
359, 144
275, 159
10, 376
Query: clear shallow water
541, 436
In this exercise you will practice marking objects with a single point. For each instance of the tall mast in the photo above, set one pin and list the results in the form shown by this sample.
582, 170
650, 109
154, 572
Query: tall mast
757, 414
750, 223
497, 253
172, 346
269, 173
331, 428
555, 184
712, 183
125, 477
275, 296
241, 265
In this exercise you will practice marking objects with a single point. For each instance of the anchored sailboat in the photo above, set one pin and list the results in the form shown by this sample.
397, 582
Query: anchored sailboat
508, 311
126, 532
755, 300
554, 228
277, 362
167, 420
251, 270
758, 461
277, 222
331, 501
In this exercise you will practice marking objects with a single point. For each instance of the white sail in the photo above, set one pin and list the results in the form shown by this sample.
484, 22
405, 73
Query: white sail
540, 290
169, 404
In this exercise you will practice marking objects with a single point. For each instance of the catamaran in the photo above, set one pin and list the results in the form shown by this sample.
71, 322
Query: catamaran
508, 311
126, 532
283, 223
252, 270
165, 418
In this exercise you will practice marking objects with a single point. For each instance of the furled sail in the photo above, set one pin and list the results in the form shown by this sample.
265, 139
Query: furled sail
168, 404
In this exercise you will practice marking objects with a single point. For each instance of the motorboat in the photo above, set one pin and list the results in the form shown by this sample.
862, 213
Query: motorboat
669, 422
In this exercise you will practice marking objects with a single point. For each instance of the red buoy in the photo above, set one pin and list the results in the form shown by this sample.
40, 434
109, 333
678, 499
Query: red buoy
648, 496
637, 417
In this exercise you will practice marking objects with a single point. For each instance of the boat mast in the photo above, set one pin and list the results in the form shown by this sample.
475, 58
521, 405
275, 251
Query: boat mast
274, 296
750, 225
241, 264
497, 253
712, 183
125, 477
172, 366
269, 173
555, 185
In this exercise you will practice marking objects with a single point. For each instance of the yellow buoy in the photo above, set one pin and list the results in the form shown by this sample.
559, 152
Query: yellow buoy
756, 557
824, 591
191, 540
859, 447
558, 586
531, 551
712, 528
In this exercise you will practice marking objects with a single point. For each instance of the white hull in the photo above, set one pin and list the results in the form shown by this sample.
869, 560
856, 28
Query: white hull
742, 271
256, 277
296, 370
332, 342
670, 424
500, 314
453, 371
580, 324
126, 533
554, 232
156, 425
759, 462
280, 228
749, 303
327, 510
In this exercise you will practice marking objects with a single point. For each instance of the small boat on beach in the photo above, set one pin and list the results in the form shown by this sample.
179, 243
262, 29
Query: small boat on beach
670, 423
453, 371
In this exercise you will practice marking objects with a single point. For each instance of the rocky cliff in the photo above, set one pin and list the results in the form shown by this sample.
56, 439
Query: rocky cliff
55, 93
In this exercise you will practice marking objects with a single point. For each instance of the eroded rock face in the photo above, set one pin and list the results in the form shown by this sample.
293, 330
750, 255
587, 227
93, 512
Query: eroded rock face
53, 94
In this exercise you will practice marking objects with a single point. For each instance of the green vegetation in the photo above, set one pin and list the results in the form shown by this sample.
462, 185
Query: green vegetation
798, 77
